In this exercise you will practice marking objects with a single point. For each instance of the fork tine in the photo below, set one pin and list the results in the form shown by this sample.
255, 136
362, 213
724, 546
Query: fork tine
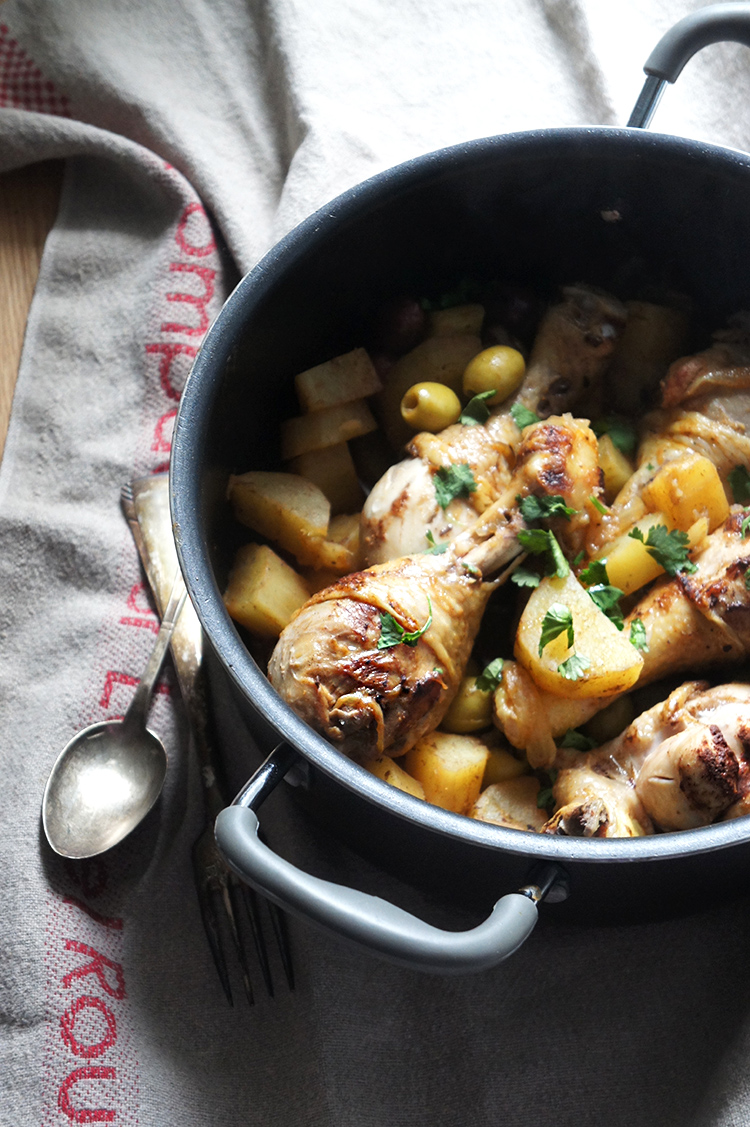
207, 905
228, 896
250, 901
278, 923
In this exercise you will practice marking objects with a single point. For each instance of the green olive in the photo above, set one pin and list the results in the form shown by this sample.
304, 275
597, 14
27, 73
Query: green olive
430, 406
470, 709
500, 368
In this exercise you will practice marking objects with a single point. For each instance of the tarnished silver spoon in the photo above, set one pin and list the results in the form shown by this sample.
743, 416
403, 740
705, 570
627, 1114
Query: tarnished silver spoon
107, 778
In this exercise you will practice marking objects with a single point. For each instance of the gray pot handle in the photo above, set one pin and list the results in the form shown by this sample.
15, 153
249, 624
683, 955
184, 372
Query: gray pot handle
718, 23
368, 921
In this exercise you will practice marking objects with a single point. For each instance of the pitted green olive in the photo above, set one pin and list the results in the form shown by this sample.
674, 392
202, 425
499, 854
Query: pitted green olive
501, 368
430, 406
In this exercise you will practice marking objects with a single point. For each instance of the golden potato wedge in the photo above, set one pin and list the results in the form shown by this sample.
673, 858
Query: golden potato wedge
501, 767
614, 664
629, 563
337, 381
436, 360
390, 772
685, 490
616, 467
512, 804
464, 320
332, 470
287, 509
450, 768
344, 529
263, 591
328, 427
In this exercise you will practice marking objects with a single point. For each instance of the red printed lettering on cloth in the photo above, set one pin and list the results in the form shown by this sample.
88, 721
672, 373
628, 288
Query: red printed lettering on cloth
113, 922
66, 1095
168, 354
199, 301
162, 443
114, 677
194, 235
95, 1039
98, 965
139, 604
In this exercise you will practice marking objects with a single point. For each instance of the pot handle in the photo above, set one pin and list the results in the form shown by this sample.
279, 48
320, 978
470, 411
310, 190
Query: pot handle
368, 921
717, 23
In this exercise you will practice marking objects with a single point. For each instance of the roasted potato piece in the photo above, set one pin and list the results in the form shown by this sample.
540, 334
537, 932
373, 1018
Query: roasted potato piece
614, 664
328, 427
436, 360
501, 767
616, 467
685, 490
263, 591
337, 381
654, 336
630, 565
512, 804
450, 768
332, 470
470, 710
463, 320
390, 772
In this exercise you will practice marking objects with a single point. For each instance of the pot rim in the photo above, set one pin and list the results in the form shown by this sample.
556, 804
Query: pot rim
188, 443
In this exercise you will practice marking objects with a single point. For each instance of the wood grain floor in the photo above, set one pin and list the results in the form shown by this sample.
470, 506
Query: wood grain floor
29, 200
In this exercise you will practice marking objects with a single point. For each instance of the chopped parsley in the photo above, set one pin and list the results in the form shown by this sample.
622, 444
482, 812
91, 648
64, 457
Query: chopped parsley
596, 580
435, 549
453, 481
669, 549
476, 410
595, 572
489, 678
523, 417
392, 632
545, 507
622, 433
739, 483
574, 667
524, 577
544, 796
745, 525
638, 635
575, 739
600, 508
538, 541
558, 620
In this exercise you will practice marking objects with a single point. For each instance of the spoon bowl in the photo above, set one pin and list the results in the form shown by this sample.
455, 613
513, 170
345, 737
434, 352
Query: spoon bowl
107, 778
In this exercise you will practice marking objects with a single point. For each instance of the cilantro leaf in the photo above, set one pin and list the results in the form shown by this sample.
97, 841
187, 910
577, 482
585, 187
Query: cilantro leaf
538, 541
607, 598
622, 433
574, 667
594, 573
575, 739
638, 635
544, 797
669, 549
489, 678
525, 577
600, 508
745, 525
523, 417
392, 632
435, 549
556, 621
561, 567
542, 508
739, 483
476, 410
579, 558
453, 481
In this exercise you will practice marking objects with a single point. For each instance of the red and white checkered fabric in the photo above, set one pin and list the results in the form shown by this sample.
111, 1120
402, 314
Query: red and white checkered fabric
22, 84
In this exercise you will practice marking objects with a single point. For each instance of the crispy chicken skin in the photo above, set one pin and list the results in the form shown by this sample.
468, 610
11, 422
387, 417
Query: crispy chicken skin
572, 348
366, 700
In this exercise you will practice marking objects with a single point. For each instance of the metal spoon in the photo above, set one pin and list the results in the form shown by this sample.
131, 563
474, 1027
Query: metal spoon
108, 777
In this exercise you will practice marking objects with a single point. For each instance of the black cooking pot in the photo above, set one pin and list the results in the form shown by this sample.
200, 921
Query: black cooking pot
618, 208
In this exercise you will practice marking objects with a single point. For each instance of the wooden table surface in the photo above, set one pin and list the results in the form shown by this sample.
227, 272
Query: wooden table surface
29, 199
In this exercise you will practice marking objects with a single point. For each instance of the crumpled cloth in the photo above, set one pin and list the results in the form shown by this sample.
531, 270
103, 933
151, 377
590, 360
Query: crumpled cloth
195, 135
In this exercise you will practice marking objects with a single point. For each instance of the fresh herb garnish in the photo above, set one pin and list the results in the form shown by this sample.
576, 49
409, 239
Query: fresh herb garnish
669, 549
489, 678
622, 433
544, 796
538, 541
543, 508
745, 525
558, 620
453, 481
600, 508
574, 667
579, 558
739, 483
435, 549
575, 739
392, 632
650, 467
638, 635
467, 291
476, 410
595, 572
524, 577
523, 417
607, 598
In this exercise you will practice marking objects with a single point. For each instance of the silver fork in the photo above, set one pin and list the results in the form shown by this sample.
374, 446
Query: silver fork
223, 899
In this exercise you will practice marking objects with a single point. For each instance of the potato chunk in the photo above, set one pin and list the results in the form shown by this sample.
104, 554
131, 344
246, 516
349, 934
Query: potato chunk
337, 381
327, 427
461, 320
685, 490
614, 663
450, 768
263, 591
390, 772
332, 470
512, 804
285, 508
616, 467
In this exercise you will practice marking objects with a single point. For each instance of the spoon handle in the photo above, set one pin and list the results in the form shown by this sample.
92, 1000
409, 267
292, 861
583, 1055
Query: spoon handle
138, 707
